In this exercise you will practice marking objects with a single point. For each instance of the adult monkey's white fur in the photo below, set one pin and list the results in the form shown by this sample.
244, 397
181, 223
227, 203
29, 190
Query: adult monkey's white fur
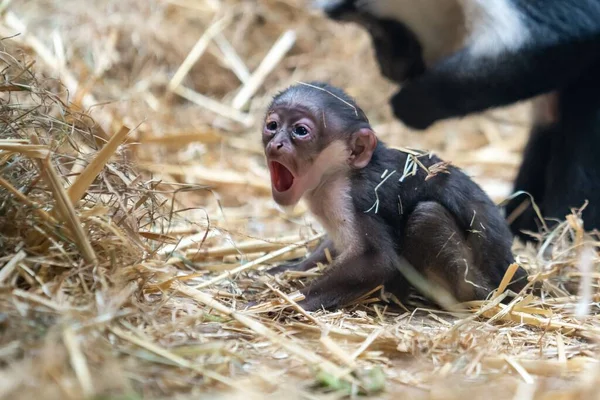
488, 27
427, 19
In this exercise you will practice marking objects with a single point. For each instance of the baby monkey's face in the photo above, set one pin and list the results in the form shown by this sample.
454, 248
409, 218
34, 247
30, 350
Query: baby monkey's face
299, 152
313, 134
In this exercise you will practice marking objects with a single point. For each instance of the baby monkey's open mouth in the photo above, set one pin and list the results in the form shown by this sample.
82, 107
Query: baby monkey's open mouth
281, 177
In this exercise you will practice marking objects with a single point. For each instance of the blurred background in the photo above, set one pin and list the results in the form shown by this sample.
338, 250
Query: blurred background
193, 78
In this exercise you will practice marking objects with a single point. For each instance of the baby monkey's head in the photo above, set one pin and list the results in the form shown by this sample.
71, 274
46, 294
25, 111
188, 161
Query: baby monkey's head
313, 131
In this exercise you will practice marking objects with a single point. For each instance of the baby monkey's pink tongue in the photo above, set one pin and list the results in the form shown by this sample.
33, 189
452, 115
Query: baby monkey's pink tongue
281, 177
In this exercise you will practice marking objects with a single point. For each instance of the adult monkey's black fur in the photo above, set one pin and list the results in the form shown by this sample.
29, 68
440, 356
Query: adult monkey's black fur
320, 146
457, 57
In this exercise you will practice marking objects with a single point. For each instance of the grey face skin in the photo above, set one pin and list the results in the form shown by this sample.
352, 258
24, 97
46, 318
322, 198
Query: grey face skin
445, 227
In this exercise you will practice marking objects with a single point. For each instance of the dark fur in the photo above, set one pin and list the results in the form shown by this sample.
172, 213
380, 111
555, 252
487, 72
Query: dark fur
438, 225
397, 49
560, 168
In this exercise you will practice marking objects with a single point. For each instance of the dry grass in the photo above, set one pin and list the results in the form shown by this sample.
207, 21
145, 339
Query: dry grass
136, 222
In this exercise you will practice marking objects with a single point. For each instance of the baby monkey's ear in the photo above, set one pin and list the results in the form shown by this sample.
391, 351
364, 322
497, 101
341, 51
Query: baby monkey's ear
362, 145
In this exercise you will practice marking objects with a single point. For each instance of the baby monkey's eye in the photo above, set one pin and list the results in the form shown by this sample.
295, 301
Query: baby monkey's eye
272, 125
300, 131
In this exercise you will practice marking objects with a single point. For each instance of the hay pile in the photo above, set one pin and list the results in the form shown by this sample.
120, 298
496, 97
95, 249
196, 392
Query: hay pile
136, 222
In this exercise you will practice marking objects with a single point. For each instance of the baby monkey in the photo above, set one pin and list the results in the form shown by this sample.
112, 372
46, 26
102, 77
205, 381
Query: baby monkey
383, 209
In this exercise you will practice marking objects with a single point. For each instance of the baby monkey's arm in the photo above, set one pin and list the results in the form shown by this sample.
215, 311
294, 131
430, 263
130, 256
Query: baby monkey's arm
315, 257
350, 276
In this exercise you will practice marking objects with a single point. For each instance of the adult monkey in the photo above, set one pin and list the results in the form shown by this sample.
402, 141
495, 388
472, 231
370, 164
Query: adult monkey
457, 57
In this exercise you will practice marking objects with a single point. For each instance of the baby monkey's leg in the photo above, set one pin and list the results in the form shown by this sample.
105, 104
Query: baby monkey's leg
436, 247
316, 256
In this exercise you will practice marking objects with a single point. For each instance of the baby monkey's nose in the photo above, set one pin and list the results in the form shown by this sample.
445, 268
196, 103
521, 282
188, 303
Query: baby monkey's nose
275, 147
